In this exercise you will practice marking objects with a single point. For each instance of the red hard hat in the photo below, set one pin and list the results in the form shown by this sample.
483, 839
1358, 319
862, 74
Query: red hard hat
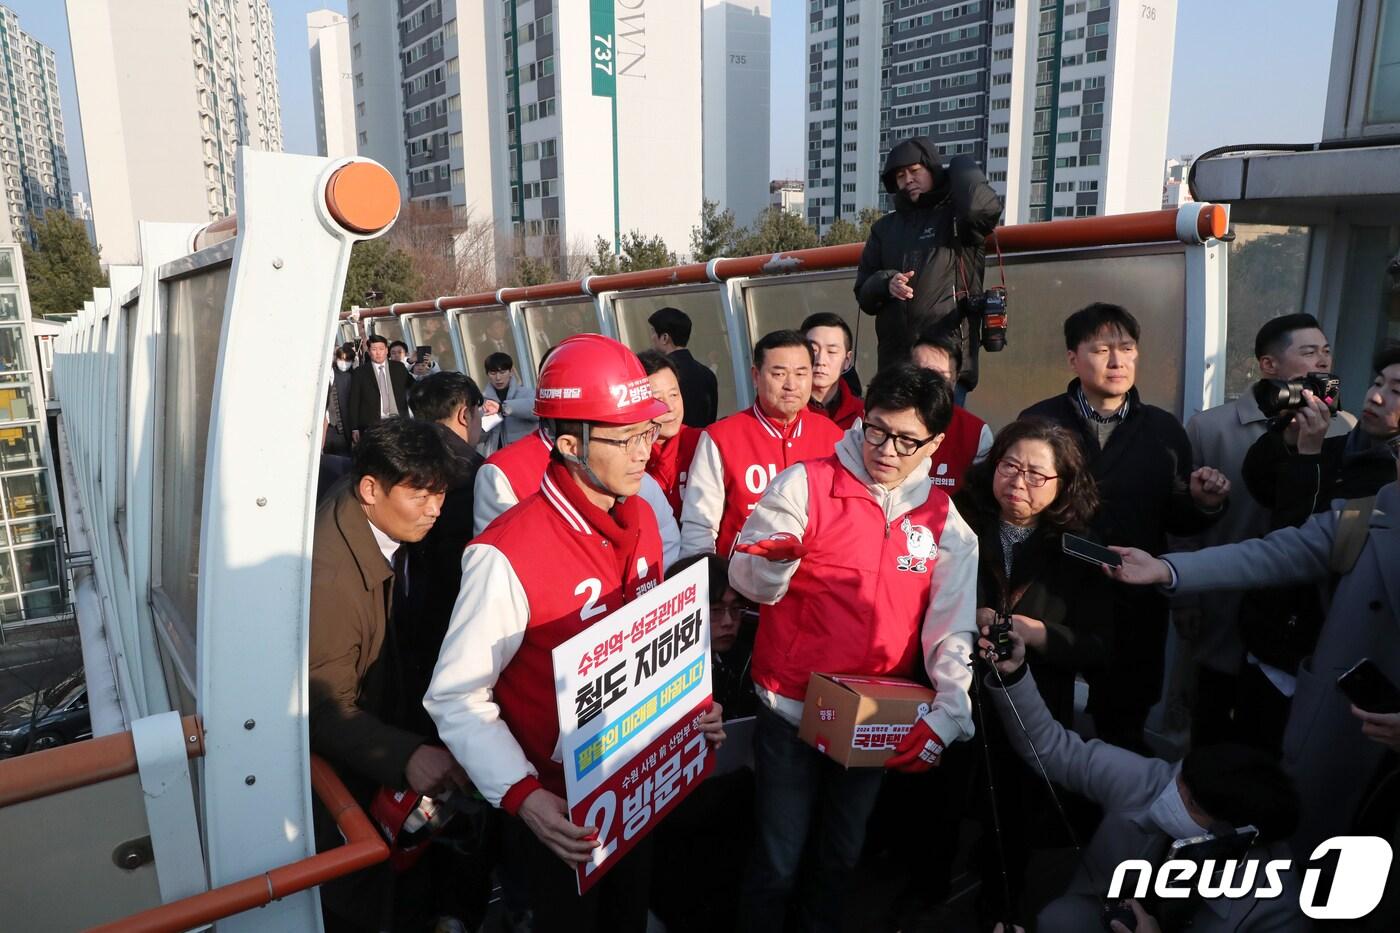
408, 822
590, 377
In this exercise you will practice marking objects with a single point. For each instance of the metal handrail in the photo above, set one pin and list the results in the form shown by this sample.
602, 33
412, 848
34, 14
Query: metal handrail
363, 847
53, 771
1075, 233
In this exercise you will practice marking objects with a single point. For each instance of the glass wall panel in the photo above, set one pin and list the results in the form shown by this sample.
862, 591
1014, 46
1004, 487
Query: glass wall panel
26, 494
780, 304
42, 603
1042, 293
194, 319
349, 333
387, 327
10, 610
14, 355
9, 304
549, 324
17, 404
7, 266
31, 531
19, 448
7, 574
38, 567
1370, 310
709, 335
486, 332
1383, 105
1268, 271
432, 332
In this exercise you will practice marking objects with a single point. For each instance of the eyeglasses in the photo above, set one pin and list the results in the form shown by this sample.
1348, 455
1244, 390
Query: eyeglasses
738, 611
636, 444
904, 446
1009, 469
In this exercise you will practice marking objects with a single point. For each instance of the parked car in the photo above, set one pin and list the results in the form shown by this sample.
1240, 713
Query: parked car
46, 719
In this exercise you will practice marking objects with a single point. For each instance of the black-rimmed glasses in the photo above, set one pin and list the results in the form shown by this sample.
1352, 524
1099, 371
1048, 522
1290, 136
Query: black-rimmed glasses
1009, 469
904, 445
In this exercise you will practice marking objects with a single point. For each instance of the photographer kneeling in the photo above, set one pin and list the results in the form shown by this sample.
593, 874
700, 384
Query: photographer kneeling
1148, 804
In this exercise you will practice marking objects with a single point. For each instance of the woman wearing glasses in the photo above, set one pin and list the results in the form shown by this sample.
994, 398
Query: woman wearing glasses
1033, 487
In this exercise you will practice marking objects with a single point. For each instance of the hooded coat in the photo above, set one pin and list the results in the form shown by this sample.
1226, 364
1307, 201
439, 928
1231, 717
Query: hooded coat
940, 238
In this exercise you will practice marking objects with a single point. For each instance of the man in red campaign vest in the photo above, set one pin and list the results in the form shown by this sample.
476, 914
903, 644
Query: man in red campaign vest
737, 457
515, 471
968, 438
675, 441
564, 558
832, 354
861, 565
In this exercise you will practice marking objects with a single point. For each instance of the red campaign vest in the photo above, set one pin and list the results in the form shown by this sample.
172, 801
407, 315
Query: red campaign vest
670, 465
753, 450
953, 458
523, 463
849, 407
857, 601
572, 580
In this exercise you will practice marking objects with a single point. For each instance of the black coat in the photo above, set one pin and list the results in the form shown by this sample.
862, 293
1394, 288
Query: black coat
1280, 624
435, 576
363, 412
1072, 598
338, 413
699, 389
1143, 477
940, 238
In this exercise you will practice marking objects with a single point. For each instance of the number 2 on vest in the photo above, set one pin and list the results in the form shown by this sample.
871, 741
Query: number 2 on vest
594, 588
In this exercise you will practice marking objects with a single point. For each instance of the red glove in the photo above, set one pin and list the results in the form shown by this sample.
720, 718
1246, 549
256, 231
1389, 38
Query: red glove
780, 547
919, 750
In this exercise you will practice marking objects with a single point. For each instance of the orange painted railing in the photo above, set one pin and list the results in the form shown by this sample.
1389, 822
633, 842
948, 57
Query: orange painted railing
1076, 233
53, 771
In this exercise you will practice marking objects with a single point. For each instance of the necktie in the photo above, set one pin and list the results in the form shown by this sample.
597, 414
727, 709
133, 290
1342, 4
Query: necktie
387, 405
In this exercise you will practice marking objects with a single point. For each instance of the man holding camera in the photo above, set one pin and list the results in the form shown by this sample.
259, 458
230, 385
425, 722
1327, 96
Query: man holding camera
923, 261
1295, 470
1231, 699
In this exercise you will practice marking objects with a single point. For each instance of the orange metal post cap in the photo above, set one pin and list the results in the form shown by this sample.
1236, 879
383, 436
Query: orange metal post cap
362, 197
1212, 222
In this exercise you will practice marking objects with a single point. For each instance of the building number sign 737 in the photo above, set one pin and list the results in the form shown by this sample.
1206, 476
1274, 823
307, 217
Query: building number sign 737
602, 45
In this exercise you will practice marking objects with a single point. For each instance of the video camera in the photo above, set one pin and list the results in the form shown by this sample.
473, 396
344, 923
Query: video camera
990, 306
1279, 398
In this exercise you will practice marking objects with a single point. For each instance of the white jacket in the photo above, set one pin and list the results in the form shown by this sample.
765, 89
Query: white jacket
949, 631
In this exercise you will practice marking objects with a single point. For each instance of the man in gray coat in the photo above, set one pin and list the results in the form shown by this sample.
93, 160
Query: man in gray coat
1324, 748
507, 398
1147, 804
1286, 347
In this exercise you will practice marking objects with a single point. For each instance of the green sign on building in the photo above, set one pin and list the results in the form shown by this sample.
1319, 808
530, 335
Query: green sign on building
602, 47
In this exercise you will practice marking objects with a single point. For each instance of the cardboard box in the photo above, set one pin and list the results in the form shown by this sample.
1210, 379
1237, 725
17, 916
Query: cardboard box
857, 721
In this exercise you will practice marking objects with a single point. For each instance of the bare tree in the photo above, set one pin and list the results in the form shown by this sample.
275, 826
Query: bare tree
452, 252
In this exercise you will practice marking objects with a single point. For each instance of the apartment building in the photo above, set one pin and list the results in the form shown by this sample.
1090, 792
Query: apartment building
332, 100
166, 98
33, 149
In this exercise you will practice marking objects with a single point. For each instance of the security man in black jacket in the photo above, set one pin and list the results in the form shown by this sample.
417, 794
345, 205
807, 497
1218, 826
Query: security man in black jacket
928, 252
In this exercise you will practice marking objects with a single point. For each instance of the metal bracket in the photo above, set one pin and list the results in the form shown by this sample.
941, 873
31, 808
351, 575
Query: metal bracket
163, 763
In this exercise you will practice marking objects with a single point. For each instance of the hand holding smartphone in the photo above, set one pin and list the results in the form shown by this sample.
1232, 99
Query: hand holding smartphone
1088, 551
1368, 687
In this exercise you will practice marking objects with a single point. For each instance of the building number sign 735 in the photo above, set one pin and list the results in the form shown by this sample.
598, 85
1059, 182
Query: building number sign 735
602, 54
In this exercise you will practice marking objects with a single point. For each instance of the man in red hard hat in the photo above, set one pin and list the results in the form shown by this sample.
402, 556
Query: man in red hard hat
564, 558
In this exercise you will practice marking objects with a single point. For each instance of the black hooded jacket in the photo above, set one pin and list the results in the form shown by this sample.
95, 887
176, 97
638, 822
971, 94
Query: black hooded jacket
940, 238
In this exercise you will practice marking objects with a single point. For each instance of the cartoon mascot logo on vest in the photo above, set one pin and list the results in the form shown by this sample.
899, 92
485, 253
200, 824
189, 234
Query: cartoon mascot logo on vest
918, 541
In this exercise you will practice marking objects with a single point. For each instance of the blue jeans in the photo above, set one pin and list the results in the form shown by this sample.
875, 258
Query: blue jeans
800, 792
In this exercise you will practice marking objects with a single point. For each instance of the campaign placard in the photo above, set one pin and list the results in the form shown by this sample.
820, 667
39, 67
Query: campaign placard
630, 691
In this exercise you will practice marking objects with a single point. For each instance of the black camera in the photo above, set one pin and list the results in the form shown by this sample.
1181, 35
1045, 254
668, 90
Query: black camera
990, 306
1279, 398
999, 634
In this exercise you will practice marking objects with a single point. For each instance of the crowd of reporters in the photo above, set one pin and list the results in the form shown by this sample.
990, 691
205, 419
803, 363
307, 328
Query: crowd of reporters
1245, 502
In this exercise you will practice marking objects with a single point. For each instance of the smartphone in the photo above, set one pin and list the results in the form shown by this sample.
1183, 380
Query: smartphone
1370, 689
1217, 848
1086, 550
423, 353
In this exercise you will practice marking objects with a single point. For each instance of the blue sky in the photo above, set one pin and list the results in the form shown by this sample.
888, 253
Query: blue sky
1245, 71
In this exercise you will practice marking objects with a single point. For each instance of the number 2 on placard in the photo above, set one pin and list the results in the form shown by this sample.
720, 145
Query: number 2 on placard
602, 52
594, 588
600, 814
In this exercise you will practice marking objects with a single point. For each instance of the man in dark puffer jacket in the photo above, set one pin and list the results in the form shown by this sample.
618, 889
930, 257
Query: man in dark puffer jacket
928, 251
